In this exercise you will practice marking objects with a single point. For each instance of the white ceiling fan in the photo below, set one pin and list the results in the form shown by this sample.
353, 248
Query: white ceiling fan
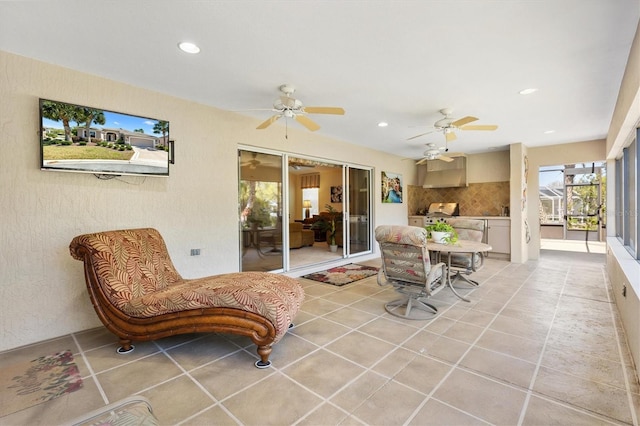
448, 125
290, 107
435, 153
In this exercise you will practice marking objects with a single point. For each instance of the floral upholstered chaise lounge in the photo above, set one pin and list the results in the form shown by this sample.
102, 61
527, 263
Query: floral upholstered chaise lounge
139, 296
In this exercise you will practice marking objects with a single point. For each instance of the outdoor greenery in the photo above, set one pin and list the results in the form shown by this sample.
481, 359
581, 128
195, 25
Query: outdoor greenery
67, 113
583, 201
584, 205
260, 201
70, 152
162, 128
259, 215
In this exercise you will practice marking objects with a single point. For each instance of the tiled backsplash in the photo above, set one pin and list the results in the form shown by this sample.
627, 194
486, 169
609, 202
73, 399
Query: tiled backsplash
478, 199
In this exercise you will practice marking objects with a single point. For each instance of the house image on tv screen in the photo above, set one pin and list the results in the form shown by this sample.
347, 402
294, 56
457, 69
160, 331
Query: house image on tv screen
137, 139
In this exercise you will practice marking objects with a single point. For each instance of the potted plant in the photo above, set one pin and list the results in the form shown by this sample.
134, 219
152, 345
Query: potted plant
442, 233
329, 225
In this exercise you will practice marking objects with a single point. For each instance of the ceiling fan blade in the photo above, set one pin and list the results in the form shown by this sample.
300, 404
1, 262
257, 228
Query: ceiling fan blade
270, 121
307, 122
464, 120
480, 127
421, 161
455, 154
324, 110
450, 136
252, 109
445, 158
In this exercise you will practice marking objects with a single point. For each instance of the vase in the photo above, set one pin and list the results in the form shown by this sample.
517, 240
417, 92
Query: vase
333, 248
440, 237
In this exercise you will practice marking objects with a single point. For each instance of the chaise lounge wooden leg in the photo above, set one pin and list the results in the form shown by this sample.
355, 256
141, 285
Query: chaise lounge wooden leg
125, 347
264, 351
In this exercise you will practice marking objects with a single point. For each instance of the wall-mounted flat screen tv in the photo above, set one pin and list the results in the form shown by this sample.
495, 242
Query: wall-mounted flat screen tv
76, 138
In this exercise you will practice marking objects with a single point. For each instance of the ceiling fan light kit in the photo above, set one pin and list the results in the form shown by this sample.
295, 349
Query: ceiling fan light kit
447, 126
434, 153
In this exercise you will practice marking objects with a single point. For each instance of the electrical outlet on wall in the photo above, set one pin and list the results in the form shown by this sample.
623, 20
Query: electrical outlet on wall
195, 252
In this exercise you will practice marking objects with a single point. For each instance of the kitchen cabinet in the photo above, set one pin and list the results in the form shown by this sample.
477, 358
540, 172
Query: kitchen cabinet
416, 221
499, 235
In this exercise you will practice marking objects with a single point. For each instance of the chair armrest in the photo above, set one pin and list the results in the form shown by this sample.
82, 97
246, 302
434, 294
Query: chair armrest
438, 268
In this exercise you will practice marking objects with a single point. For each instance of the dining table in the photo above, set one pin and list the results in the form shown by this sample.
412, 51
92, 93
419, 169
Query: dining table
460, 246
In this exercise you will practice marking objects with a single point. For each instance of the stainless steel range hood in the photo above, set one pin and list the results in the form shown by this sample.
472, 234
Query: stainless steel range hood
442, 174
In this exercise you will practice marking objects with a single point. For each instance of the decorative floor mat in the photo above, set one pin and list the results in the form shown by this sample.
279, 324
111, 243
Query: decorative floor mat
341, 275
26, 384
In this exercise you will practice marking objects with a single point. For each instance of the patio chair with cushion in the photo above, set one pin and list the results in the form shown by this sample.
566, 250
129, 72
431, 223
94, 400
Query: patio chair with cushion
406, 266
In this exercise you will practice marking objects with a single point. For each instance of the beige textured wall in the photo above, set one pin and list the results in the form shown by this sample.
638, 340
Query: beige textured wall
520, 226
42, 293
626, 114
626, 297
488, 167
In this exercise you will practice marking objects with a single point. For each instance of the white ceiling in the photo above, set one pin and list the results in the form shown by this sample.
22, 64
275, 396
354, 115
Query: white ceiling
393, 61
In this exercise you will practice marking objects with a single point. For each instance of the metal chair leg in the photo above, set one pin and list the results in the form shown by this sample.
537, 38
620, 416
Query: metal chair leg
409, 303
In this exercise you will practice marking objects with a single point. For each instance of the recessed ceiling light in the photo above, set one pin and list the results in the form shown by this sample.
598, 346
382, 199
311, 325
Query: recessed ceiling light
383, 124
528, 91
185, 46
549, 132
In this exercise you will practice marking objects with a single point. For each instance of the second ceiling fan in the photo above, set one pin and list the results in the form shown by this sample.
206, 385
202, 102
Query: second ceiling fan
290, 107
448, 125
435, 153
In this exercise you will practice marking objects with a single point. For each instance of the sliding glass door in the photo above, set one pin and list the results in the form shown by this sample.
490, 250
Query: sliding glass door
286, 205
260, 204
359, 210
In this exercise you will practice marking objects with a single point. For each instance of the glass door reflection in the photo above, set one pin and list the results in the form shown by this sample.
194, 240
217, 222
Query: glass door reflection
260, 211
359, 210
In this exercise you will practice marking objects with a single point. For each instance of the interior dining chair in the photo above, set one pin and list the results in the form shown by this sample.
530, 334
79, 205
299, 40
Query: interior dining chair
407, 267
464, 264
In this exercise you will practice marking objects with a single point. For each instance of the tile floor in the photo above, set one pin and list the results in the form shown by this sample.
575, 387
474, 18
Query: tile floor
539, 344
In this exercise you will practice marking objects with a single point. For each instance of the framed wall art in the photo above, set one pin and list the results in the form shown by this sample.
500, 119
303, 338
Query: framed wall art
391, 187
336, 194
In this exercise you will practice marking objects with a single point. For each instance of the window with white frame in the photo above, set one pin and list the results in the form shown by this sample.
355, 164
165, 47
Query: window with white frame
627, 185
310, 201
